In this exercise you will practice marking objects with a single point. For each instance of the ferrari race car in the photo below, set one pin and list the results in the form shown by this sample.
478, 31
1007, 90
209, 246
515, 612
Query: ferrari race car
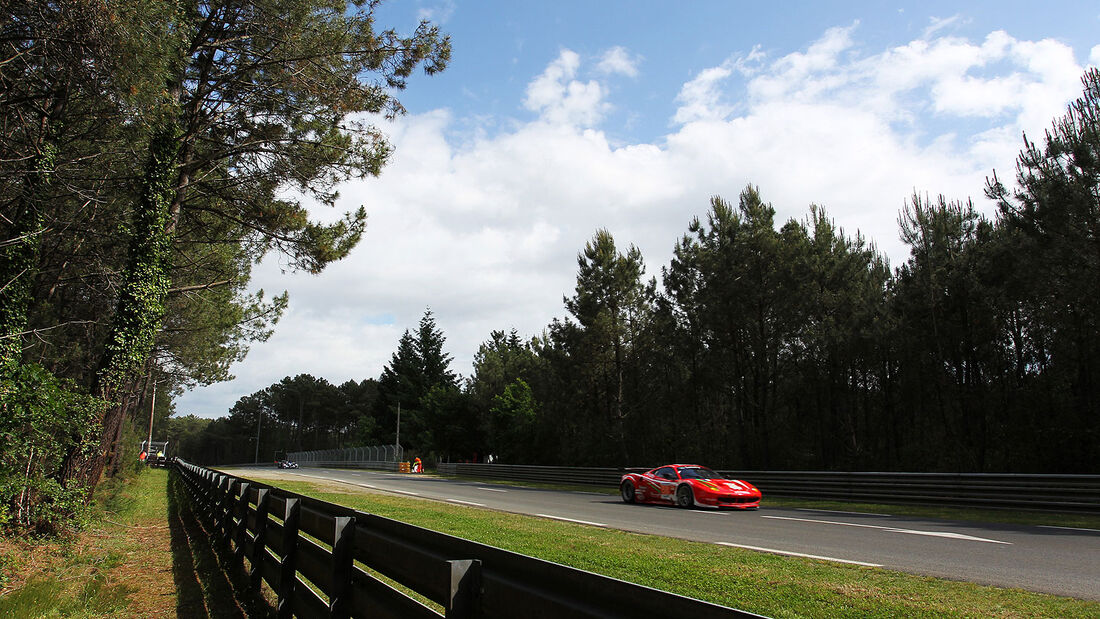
686, 485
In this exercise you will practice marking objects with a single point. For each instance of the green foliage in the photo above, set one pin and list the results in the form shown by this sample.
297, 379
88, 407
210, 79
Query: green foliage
146, 280
513, 423
41, 415
228, 111
418, 366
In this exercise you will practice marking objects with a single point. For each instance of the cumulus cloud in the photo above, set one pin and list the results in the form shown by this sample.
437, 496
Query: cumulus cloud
486, 231
560, 99
701, 98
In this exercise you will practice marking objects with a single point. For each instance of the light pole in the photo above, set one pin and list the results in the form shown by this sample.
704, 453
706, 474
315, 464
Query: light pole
152, 407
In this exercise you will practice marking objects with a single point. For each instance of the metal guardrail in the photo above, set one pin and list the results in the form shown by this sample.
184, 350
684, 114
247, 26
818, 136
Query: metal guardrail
1061, 493
275, 531
360, 457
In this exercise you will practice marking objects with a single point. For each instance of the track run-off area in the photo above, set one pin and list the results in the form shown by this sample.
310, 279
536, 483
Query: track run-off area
1047, 559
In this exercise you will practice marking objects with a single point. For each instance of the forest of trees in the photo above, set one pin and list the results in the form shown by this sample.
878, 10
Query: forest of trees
765, 347
150, 154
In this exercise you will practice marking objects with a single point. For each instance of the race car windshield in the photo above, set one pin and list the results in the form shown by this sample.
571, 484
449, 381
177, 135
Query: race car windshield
698, 472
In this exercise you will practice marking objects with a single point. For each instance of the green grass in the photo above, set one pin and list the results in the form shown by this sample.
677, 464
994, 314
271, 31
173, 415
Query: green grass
757, 582
143, 554
72, 577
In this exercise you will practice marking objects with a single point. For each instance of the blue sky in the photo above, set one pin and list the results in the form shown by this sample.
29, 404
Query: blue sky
499, 46
555, 119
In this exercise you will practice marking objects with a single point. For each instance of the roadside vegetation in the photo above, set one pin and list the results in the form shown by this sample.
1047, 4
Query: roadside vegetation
119, 565
758, 582
151, 154
142, 553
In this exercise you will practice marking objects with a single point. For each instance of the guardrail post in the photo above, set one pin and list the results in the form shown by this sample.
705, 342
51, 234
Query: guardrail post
212, 500
242, 526
225, 514
287, 568
259, 544
465, 589
342, 559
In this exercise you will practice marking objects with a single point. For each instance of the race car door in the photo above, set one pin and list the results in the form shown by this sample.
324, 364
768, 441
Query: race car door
666, 480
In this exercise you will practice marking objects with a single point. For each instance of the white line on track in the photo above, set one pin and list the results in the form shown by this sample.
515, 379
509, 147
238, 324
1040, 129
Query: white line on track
594, 524
799, 554
1050, 526
958, 536
403, 492
464, 502
833, 511
492, 489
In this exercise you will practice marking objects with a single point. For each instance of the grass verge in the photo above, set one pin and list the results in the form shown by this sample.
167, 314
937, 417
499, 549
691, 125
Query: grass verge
143, 554
118, 566
758, 582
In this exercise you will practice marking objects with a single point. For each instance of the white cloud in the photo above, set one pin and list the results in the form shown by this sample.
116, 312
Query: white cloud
618, 60
486, 232
701, 98
560, 99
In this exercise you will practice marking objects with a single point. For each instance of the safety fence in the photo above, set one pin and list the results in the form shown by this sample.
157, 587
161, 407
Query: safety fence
1062, 493
381, 457
325, 560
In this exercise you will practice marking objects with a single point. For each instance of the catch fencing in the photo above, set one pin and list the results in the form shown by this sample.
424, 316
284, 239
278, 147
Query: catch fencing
1061, 493
326, 560
381, 457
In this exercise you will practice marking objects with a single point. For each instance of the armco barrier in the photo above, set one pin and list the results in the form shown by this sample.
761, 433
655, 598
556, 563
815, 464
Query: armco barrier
269, 527
1061, 493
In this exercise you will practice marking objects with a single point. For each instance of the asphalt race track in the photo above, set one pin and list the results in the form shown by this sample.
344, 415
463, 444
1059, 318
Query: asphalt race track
1061, 561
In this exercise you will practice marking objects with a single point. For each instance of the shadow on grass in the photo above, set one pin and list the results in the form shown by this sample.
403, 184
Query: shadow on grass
210, 582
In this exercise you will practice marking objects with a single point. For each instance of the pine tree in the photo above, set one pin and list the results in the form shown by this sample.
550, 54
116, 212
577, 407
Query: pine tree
435, 363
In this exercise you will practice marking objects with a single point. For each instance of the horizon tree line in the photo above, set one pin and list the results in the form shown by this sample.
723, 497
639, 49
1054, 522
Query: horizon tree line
797, 347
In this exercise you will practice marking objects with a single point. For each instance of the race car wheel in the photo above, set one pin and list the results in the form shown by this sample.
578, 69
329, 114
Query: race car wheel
627, 490
684, 496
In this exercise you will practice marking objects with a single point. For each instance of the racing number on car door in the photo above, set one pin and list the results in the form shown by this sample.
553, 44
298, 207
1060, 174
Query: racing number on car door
666, 480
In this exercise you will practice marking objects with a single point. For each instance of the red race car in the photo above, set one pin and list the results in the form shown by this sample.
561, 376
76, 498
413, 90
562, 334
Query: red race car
687, 485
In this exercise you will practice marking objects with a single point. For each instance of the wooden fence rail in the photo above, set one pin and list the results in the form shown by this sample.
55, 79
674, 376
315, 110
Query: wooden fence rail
326, 560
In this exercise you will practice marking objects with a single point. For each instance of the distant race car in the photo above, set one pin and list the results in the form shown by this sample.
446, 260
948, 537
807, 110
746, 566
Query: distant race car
687, 485
286, 464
